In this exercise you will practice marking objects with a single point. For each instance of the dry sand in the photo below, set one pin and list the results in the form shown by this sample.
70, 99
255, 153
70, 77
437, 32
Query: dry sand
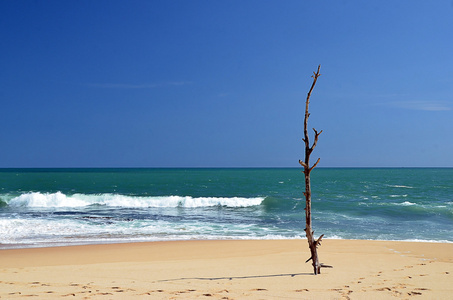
230, 270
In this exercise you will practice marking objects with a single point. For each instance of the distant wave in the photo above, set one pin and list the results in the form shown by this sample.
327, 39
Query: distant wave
406, 203
400, 186
58, 199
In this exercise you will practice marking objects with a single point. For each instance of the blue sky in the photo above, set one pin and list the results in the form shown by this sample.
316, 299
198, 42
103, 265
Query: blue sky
223, 83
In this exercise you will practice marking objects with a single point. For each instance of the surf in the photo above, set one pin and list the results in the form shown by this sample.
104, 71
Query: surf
60, 200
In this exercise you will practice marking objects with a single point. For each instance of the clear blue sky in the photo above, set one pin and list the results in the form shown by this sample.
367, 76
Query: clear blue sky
223, 83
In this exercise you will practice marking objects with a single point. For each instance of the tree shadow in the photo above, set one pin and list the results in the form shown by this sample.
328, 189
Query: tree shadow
236, 277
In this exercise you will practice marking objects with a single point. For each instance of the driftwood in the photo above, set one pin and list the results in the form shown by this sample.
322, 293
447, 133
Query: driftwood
312, 243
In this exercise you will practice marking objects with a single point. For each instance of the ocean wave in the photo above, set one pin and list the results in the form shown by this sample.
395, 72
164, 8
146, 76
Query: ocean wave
35, 232
400, 186
58, 199
398, 196
405, 203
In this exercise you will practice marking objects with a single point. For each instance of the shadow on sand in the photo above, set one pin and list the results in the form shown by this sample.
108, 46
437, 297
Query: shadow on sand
235, 277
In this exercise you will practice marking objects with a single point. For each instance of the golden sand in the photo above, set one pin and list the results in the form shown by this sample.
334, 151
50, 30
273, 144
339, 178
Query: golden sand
271, 269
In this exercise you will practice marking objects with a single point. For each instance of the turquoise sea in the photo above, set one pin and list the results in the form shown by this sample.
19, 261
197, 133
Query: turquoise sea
49, 207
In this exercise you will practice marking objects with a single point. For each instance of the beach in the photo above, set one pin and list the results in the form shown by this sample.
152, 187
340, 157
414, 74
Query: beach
229, 269
224, 234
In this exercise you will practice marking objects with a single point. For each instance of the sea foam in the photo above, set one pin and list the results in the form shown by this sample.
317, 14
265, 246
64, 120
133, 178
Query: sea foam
58, 199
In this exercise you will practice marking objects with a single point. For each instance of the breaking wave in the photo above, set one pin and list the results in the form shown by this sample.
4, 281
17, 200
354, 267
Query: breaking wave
58, 199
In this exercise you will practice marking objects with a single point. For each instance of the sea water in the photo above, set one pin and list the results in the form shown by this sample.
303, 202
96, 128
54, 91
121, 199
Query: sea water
50, 207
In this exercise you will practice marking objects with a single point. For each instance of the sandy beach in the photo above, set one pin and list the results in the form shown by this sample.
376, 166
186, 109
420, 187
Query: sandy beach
271, 269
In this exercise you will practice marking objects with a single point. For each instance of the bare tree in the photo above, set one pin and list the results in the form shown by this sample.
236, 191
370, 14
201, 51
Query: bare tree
312, 243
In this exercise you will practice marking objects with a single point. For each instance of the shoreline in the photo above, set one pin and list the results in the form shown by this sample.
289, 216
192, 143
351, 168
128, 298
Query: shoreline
58, 245
229, 269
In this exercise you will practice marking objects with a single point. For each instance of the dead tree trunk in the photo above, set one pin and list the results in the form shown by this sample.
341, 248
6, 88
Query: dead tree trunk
312, 243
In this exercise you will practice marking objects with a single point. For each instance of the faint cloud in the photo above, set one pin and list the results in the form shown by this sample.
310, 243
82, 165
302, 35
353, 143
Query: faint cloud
138, 86
422, 105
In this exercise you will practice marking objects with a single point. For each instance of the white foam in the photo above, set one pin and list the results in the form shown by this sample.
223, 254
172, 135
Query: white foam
405, 203
36, 232
401, 186
59, 199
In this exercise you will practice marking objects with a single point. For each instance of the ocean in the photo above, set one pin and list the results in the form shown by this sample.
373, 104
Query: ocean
57, 207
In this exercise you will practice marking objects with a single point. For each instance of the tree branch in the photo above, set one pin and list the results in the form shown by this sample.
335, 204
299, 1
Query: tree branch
318, 241
316, 163
307, 114
303, 164
316, 138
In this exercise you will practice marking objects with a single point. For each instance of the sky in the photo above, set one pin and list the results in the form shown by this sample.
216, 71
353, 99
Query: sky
223, 83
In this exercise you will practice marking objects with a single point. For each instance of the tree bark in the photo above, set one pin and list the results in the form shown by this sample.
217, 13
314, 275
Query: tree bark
312, 243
